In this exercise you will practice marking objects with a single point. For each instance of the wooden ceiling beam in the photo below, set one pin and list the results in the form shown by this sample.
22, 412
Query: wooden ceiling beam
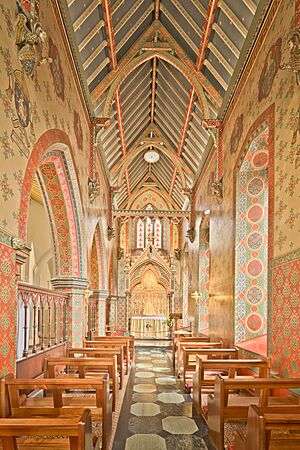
154, 66
211, 11
107, 12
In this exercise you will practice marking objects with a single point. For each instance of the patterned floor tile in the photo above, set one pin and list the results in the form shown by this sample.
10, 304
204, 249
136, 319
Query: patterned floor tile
144, 374
170, 397
186, 442
144, 397
145, 442
165, 380
144, 388
144, 409
179, 425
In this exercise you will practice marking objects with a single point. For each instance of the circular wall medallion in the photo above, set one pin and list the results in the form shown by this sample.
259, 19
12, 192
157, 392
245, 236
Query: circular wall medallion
260, 160
151, 156
255, 240
255, 186
254, 294
254, 322
254, 268
255, 213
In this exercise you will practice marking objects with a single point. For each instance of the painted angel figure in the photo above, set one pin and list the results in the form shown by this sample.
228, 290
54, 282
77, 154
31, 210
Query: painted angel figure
294, 62
30, 42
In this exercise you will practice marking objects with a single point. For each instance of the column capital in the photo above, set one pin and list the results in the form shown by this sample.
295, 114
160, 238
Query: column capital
69, 283
101, 294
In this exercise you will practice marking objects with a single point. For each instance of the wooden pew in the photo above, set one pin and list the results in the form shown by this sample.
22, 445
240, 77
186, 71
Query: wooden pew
261, 423
176, 339
224, 406
190, 345
204, 377
59, 404
74, 433
100, 353
87, 368
189, 358
130, 339
112, 345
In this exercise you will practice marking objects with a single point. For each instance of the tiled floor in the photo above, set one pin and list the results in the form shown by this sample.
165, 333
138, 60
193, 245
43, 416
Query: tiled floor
156, 414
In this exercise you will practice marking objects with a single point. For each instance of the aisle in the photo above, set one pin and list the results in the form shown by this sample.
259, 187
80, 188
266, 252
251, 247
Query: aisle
156, 414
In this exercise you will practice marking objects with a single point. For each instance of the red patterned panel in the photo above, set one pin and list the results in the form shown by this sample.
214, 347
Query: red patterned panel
8, 310
286, 319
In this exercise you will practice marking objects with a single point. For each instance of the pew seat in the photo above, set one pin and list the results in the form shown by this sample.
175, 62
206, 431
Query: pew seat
89, 368
18, 401
74, 433
224, 406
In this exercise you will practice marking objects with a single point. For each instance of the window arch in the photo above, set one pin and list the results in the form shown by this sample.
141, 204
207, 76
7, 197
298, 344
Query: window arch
148, 229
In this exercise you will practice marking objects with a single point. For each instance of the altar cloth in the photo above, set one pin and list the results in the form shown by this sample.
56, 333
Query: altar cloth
149, 327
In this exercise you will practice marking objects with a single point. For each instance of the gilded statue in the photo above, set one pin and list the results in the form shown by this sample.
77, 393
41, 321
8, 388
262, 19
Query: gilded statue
30, 40
294, 62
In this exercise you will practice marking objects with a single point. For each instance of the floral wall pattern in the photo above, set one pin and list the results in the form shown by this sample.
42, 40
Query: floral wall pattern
8, 306
203, 277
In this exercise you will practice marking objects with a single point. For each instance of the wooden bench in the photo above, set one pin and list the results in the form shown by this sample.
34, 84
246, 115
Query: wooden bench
177, 339
85, 368
225, 406
191, 345
189, 358
74, 433
261, 424
112, 345
129, 339
204, 377
56, 403
100, 353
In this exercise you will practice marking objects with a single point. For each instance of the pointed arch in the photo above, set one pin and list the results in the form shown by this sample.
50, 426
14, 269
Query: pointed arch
52, 161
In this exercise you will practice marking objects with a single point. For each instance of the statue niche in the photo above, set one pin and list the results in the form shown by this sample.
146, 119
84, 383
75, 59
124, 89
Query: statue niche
149, 298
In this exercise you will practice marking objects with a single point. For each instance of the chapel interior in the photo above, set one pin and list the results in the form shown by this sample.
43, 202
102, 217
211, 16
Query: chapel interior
149, 224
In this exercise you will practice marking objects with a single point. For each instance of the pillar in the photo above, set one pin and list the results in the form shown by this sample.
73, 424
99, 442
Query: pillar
76, 319
113, 311
101, 297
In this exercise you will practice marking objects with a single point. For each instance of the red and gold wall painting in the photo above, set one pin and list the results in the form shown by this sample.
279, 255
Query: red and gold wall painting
149, 298
253, 177
8, 308
285, 317
204, 258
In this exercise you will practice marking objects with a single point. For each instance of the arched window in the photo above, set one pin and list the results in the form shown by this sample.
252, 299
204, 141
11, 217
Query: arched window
157, 233
140, 234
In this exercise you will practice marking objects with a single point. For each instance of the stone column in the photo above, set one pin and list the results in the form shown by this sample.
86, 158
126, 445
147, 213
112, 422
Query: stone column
76, 310
113, 311
101, 297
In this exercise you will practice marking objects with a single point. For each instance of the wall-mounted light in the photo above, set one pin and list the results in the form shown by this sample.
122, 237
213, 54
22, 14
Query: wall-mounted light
196, 296
206, 212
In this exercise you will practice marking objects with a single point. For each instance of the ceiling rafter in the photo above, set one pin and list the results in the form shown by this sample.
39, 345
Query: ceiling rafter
113, 60
90, 35
85, 14
226, 39
211, 11
127, 16
233, 18
187, 16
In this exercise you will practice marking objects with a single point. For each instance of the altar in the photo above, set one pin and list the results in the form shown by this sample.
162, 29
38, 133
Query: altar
154, 327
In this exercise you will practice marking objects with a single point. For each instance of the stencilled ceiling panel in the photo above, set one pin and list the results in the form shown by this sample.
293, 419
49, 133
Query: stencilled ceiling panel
210, 35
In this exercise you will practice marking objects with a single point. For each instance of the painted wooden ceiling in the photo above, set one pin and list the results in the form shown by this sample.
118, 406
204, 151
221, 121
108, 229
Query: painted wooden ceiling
155, 105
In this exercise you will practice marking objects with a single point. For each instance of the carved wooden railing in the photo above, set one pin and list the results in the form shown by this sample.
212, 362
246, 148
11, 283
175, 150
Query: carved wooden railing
42, 313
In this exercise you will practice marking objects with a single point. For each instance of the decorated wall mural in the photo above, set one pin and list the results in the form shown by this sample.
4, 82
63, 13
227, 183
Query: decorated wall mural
272, 52
204, 258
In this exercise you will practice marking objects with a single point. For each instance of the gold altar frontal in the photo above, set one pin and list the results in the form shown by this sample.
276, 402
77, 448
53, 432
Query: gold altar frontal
153, 327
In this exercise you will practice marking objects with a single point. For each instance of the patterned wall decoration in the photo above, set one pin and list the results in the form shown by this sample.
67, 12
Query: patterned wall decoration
78, 130
236, 134
56, 70
285, 337
270, 69
254, 194
204, 258
60, 216
150, 197
8, 307
94, 272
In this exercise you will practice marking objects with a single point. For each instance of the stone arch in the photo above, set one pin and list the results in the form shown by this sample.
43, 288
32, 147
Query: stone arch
52, 161
131, 156
171, 59
98, 262
146, 189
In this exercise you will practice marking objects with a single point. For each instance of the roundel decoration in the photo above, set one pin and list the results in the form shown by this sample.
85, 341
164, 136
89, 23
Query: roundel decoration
254, 294
254, 268
255, 240
255, 213
254, 322
255, 186
260, 160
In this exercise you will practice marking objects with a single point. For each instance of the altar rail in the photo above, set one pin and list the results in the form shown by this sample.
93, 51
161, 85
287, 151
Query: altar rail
42, 319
